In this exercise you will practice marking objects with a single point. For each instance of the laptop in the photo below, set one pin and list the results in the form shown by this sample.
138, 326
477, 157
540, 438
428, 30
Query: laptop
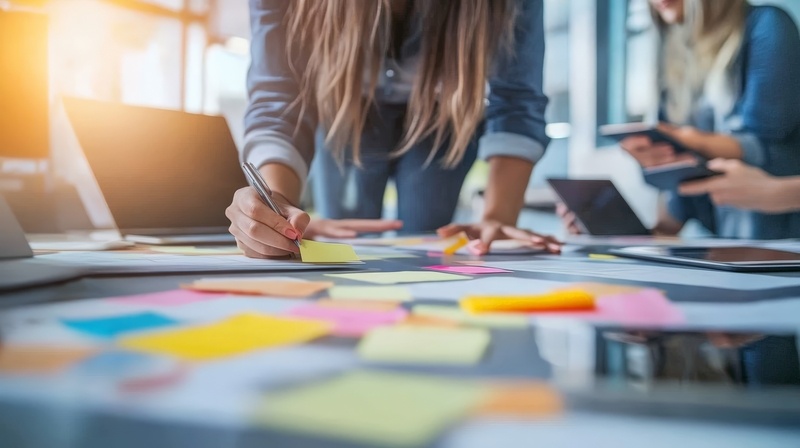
167, 176
599, 207
18, 267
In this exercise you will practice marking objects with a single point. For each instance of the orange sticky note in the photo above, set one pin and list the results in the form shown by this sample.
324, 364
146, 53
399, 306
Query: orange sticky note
521, 400
261, 287
461, 241
425, 321
39, 359
565, 300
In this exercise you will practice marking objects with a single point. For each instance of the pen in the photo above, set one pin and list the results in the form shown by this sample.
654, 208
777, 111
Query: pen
260, 185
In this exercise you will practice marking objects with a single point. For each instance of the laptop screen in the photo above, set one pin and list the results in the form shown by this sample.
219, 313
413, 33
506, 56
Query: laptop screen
160, 171
13, 243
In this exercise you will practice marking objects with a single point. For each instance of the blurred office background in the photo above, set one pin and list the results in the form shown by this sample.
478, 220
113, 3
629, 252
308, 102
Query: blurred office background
192, 55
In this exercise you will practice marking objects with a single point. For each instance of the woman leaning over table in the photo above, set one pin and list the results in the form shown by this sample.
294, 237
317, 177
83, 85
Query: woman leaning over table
729, 79
413, 90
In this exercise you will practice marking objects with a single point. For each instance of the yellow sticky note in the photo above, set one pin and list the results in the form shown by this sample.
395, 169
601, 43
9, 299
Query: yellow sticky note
461, 240
391, 278
233, 336
424, 345
488, 320
565, 300
603, 257
386, 293
318, 252
260, 287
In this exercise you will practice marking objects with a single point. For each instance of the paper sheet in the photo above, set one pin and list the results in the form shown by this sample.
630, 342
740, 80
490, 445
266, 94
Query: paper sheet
111, 327
391, 278
31, 359
454, 291
166, 298
489, 320
319, 252
468, 270
270, 288
651, 273
388, 293
192, 250
425, 345
348, 321
233, 336
381, 408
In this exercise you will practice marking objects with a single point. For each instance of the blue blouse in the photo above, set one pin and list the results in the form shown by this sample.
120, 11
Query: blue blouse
765, 120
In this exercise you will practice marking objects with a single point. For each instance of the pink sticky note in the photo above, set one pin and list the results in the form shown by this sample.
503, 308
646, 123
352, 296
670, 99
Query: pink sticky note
350, 322
167, 298
468, 270
645, 307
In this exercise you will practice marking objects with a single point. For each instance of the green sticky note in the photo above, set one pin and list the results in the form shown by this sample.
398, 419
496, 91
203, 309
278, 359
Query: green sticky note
388, 293
374, 408
488, 320
424, 345
391, 278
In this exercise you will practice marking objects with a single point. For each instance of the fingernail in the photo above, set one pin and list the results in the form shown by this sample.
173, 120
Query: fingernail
291, 234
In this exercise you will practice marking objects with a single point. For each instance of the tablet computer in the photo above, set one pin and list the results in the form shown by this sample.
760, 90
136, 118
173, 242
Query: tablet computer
620, 132
729, 258
599, 207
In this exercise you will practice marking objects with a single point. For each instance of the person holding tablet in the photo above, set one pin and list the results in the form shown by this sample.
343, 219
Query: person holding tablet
747, 187
730, 87
412, 90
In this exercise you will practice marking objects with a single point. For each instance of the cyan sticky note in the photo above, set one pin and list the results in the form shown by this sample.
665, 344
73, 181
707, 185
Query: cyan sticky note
110, 327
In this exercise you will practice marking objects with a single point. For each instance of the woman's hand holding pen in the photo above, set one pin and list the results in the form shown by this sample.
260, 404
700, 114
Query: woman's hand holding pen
259, 231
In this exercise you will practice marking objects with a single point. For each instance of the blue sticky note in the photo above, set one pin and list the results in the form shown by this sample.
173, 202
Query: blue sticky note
114, 363
109, 327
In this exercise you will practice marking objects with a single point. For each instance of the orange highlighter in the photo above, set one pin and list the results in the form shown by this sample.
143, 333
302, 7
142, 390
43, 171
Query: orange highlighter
564, 300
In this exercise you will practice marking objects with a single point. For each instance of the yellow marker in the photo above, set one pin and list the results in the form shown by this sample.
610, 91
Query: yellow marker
565, 300
453, 248
603, 257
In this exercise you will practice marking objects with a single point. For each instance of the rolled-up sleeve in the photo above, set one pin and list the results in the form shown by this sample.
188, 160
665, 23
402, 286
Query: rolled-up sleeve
274, 130
515, 123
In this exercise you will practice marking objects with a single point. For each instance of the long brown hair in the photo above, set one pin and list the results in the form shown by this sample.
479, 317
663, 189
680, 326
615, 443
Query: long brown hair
697, 55
346, 41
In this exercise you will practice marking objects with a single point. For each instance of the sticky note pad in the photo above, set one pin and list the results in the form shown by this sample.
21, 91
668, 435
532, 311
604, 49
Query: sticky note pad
260, 287
521, 400
27, 360
109, 327
373, 408
424, 345
387, 293
468, 270
488, 320
233, 336
349, 321
391, 278
318, 252
565, 300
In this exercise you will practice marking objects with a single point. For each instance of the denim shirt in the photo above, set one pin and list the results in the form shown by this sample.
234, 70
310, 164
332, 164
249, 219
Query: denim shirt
765, 120
514, 122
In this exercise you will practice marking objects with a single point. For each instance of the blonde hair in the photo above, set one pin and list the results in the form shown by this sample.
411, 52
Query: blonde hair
698, 54
346, 41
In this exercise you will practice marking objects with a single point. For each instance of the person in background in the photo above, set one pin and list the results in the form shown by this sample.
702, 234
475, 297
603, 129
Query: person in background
730, 88
412, 90
747, 187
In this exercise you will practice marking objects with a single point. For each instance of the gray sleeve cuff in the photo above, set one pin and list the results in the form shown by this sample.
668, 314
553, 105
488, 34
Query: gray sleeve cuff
510, 145
753, 152
266, 148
